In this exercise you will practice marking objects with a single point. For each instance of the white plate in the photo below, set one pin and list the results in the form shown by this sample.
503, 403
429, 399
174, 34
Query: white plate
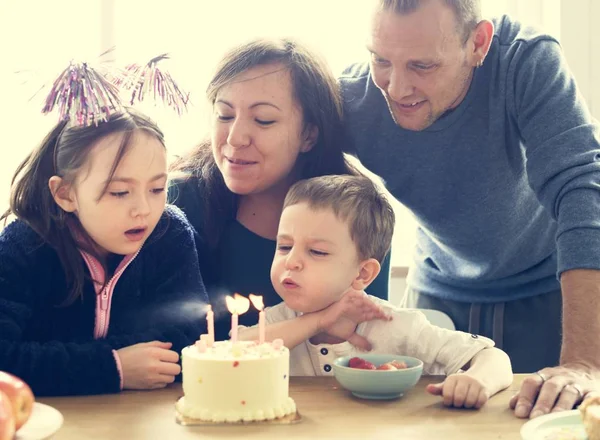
565, 425
42, 424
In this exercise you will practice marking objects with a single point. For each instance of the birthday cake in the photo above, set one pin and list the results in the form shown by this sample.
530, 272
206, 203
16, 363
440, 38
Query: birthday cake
236, 382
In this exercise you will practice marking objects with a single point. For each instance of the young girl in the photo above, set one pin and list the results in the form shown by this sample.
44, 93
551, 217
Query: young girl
99, 283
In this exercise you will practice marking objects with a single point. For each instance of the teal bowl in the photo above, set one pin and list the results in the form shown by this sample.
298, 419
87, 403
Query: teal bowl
378, 384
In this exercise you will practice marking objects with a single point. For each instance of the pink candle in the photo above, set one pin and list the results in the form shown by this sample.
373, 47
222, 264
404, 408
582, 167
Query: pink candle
201, 346
261, 327
236, 306
210, 324
257, 302
234, 327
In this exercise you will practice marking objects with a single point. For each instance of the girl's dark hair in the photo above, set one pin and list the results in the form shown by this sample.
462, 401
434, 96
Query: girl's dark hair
316, 91
63, 153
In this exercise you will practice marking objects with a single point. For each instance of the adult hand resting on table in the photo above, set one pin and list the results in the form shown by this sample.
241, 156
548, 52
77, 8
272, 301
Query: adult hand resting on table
552, 390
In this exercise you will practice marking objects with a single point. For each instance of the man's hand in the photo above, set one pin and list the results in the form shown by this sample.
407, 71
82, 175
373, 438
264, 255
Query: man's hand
561, 388
461, 391
341, 318
552, 390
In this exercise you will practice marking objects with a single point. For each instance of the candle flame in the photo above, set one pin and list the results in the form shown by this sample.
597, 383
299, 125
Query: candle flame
257, 301
237, 304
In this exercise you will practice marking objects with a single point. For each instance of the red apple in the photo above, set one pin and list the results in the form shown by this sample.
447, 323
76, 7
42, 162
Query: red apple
20, 396
7, 420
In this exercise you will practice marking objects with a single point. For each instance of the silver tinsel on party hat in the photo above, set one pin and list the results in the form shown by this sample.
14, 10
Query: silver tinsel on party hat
141, 81
82, 95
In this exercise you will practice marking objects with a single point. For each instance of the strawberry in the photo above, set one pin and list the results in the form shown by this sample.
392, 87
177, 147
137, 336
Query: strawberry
387, 366
366, 365
355, 362
361, 364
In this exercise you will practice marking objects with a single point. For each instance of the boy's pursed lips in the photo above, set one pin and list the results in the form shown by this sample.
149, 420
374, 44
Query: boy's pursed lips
289, 283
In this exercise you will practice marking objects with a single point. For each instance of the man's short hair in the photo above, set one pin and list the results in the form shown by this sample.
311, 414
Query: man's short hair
467, 12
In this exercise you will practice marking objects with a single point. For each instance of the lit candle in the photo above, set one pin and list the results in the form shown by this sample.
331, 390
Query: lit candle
234, 326
257, 302
236, 305
210, 324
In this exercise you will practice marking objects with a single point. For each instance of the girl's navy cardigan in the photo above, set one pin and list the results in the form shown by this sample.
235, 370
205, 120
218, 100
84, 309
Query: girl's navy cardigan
160, 296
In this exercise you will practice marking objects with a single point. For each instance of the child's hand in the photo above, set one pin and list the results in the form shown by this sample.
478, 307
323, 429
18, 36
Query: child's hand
341, 318
461, 391
148, 365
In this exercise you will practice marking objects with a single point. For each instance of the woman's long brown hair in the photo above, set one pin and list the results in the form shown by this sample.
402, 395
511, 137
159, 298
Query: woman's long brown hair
316, 91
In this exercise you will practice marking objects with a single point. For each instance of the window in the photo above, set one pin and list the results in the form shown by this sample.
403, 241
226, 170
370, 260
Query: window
39, 39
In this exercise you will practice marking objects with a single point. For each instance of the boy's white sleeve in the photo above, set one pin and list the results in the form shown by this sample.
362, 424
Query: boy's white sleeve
300, 360
274, 314
279, 313
442, 351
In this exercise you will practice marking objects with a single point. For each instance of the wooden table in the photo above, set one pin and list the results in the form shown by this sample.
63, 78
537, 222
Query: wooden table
327, 410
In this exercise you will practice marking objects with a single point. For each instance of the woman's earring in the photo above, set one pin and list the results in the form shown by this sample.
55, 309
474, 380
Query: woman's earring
479, 63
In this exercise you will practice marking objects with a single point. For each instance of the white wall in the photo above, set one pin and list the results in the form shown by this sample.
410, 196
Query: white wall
37, 38
542, 13
397, 287
580, 38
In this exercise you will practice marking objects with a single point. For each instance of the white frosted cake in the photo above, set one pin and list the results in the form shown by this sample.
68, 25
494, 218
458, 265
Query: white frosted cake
236, 382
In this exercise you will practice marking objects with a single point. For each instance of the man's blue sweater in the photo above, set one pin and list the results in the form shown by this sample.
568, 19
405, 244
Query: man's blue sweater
505, 187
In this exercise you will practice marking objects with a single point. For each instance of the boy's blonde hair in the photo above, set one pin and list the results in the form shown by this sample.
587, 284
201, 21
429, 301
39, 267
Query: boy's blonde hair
356, 201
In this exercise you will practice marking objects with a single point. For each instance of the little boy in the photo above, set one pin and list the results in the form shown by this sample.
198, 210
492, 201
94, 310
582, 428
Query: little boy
333, 233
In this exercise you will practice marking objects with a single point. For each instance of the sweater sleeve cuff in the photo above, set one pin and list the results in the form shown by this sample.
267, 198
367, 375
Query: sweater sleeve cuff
578, 249
119, 368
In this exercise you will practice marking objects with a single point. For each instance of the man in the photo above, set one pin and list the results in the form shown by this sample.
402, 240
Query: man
477, 127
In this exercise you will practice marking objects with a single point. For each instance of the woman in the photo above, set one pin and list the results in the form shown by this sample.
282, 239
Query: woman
276, 119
